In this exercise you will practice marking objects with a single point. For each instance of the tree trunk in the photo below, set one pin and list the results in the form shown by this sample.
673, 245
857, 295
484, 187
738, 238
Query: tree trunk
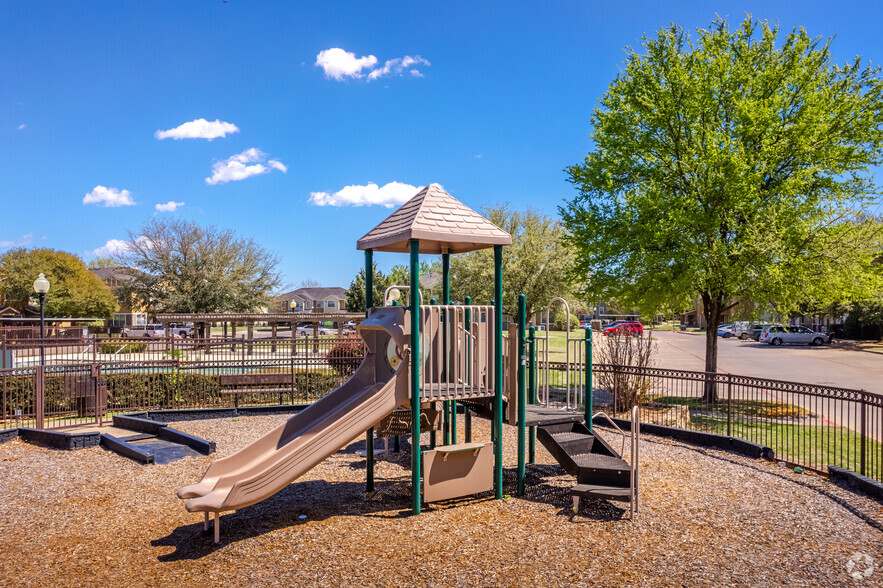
711, 310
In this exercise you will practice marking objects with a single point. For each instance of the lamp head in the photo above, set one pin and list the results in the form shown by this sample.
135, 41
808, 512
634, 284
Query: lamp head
41, 284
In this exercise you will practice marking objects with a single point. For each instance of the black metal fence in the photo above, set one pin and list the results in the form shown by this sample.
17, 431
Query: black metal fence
84, 380
807, 425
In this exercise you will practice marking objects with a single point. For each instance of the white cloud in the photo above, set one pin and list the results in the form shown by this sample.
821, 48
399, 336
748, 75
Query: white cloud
169, 206
236, 167
115, 247
340, 64
199, 129
21, 127
390, 195
22, 241
112, 247
108, 197
398, 66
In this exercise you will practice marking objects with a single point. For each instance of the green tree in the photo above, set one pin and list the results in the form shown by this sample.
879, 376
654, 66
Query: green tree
735, 165
536, 264
101, 262
355, 295
180, 266
74, 291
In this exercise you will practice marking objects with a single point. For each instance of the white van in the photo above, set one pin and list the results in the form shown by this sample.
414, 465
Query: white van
148, 330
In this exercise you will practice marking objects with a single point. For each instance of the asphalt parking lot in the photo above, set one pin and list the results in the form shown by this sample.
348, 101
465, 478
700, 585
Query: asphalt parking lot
829, 365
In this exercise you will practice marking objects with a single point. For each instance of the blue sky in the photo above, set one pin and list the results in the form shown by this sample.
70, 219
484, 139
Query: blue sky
490, 99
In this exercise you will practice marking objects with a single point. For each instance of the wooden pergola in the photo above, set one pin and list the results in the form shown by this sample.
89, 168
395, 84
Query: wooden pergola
248, 319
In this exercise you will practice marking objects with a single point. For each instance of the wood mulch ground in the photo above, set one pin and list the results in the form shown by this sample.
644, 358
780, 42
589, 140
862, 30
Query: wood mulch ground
708, 518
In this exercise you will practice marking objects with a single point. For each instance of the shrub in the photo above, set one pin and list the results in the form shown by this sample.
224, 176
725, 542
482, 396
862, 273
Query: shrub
346, 355
561, 326
621, 350
111, 348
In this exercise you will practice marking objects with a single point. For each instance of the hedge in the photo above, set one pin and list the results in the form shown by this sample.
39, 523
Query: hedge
169, 389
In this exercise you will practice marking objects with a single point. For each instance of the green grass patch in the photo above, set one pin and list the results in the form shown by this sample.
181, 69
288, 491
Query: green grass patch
815, 446
738, 407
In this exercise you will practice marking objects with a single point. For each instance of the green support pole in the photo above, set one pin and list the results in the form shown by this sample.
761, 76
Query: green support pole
589, 400
415, 378
369, 302
467, 417
532, 392
432, 438
522, 392
446, 299
498, 371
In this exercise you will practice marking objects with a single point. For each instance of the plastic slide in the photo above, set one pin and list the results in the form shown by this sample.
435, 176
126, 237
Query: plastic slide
269, 464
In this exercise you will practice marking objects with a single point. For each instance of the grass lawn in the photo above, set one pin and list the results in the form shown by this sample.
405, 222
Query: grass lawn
814, 445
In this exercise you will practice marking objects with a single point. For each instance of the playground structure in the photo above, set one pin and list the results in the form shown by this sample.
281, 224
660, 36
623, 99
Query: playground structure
418, 357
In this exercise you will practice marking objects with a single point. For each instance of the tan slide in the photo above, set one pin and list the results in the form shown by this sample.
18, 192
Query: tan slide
268, 465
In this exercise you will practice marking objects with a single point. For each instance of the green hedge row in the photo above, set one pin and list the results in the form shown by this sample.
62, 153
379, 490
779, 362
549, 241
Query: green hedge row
172, 389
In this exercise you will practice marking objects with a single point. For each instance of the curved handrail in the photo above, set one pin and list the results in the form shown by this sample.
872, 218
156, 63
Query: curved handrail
615, 426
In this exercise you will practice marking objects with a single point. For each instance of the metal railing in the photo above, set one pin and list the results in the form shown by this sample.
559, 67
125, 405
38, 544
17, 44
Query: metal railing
84, 380
806, 425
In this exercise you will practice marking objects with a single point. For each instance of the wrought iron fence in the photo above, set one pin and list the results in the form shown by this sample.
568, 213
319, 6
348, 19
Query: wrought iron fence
806, 425
86, 379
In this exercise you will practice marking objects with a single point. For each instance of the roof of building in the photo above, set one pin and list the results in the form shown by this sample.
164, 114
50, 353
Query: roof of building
442, 224
315, 293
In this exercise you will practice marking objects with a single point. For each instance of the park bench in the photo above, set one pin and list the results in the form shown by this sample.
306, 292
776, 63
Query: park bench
246, 383
84, 391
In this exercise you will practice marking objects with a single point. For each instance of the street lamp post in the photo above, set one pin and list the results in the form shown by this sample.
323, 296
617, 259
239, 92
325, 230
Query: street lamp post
41, 287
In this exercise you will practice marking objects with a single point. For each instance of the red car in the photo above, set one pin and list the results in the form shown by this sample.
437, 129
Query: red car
624, 328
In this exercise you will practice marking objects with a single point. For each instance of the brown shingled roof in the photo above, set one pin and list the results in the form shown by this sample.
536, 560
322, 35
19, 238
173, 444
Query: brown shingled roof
441, 223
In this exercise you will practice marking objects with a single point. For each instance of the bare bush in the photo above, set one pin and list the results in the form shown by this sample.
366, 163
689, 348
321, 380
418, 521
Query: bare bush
623, 349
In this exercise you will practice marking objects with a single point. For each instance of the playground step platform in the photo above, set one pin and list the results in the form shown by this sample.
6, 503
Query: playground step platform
584, 455
602, 492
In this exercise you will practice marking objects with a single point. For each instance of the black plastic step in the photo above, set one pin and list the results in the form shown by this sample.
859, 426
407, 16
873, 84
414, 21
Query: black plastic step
601, 492
604, 470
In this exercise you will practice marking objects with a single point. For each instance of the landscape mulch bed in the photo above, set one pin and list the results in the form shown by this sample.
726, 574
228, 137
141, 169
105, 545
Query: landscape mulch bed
708, 518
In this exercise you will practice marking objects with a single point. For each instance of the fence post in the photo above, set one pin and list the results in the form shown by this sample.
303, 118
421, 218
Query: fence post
96, 380
729, 405
40, 395
863, 432
589, 400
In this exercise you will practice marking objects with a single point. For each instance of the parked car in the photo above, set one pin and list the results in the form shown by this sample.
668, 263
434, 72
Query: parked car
308, 330
754, 331
726, 331
585, 324
624, 328
148, 330
740, 329
182, 330
779, 335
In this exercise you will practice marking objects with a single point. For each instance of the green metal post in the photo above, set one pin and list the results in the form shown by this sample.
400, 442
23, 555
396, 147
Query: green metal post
522, 392
467, 417
589, 400
369, 302
532, 392
498, 371
415, 378
432, 439
446, 300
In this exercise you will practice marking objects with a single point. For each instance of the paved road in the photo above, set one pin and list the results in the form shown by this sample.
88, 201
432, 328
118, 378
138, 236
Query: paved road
827, 365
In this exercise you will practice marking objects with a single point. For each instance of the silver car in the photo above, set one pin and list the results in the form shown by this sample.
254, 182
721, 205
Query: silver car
779, 335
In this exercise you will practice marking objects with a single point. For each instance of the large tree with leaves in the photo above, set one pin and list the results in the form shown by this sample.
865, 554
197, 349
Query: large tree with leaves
730, 166
74, 291
180, 266
355, 295
536, 264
